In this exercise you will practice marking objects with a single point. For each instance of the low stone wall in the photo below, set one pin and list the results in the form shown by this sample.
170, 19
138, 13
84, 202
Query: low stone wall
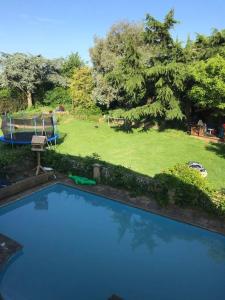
24, 185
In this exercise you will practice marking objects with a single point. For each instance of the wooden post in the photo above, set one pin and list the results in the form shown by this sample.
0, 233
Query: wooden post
39, 163
38, 143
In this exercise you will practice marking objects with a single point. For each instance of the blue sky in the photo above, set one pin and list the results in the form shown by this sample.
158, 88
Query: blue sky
55, 28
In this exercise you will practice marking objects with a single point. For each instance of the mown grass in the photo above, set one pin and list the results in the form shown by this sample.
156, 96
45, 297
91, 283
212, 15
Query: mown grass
145, 152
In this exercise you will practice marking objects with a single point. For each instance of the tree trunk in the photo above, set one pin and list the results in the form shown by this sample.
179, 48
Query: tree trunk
29, 100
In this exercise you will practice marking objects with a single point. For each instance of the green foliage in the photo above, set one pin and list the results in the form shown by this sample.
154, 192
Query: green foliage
70, 164
218, 198
144, 74
205, 47
106, 53
81, 87
186, 187
5, 94
144, 71
167, 84
71, 63
11, 100
26, 73
10, 156
208, 89
92, 113
180, 185
58, 95
157, 35
128, 77
104, 93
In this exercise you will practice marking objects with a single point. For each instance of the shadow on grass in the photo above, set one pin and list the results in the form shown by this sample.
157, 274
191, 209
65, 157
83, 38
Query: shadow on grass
218, 148
61, 138
156, 123
166, 188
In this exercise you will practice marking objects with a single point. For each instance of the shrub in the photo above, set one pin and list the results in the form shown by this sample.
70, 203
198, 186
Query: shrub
81, 87
58, 95
92, 114
186, 187
11, 100
15, 155
70, 164
218, 198
179, 185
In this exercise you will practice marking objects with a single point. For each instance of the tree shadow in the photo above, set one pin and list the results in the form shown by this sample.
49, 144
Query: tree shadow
61, 138
127, 127
166, 188
148, 124
218, 148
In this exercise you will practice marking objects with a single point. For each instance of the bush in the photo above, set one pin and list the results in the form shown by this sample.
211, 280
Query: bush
218, 198
81, 87
58, 95
92, 114
179, 185
70, 164
10, 156
184, 186
11, 100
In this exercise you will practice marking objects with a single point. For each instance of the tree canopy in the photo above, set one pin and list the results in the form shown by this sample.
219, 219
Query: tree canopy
81, 87
27, 72
139, 71
142, 69
208, 90
72, 62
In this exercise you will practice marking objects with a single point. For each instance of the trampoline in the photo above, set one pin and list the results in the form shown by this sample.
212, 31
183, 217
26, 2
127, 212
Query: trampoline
19, 130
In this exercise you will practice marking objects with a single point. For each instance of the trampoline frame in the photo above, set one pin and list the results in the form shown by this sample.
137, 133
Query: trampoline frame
13, 142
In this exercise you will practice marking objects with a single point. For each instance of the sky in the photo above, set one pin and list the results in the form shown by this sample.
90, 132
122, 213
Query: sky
55, 28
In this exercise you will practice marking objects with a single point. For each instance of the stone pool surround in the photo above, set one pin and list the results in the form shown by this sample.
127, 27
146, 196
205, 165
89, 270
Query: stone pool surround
190, 216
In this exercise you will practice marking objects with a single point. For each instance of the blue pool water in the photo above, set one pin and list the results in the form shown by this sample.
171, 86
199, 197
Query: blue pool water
80, 246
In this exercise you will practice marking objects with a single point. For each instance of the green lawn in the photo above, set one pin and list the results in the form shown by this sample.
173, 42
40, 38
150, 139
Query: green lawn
146, 152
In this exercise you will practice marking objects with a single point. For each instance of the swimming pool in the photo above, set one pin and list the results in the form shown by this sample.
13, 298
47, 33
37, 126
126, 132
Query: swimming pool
85, 247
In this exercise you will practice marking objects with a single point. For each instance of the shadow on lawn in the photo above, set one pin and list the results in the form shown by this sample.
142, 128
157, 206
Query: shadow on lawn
165, 188
218, 148
156, 123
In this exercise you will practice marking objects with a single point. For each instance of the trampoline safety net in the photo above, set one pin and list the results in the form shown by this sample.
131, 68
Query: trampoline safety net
21, 129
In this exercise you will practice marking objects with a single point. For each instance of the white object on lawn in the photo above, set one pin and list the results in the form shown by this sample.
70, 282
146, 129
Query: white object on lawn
197, 166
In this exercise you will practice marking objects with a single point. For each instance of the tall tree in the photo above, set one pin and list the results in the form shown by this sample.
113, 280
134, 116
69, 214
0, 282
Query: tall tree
205, 47
128, 77
208, 89
81, 87
27, 72
72, 62
107, 51
157, 36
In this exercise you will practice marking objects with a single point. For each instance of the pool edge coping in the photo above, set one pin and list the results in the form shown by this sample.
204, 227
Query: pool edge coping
161, 211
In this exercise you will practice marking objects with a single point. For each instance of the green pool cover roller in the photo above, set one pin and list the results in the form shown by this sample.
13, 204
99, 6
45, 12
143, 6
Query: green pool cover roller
82, 180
